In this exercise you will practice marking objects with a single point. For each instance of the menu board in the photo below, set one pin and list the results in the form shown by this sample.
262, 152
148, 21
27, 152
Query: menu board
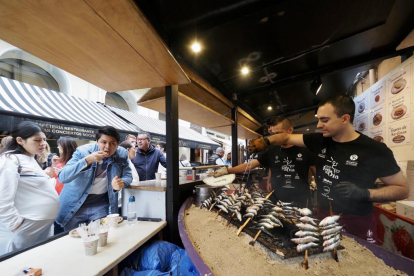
361, 104
399, 107
399, 134
378, 134
377, 93
361, 123
400, 81
378, 116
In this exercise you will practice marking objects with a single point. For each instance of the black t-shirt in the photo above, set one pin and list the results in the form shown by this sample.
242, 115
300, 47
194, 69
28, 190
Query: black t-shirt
289, 167
360, 161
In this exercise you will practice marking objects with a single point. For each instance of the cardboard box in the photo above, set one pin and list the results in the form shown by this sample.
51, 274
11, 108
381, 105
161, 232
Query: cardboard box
406, 209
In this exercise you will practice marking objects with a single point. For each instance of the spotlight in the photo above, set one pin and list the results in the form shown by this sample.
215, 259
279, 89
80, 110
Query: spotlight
245, 70
196, 47
269, 107
316, 85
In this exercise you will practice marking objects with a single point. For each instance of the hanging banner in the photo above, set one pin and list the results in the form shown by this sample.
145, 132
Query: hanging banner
399, 107
377, 92
378, 116
399, 134
400, 82
378, 134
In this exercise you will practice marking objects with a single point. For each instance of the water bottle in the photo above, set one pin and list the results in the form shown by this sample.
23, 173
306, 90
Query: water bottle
132, 214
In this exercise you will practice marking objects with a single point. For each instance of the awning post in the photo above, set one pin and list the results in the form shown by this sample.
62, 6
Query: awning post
172, 193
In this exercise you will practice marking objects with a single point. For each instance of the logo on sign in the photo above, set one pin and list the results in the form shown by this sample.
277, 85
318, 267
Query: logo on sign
353, 157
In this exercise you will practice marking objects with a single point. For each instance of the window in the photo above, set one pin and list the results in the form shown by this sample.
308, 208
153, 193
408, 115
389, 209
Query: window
115, 100
27, 72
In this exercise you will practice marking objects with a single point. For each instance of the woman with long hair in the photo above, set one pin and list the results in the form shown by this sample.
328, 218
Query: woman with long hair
29, 203
130, 147
67, 146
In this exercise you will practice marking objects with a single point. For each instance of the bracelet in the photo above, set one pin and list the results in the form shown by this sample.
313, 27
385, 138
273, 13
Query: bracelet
266, 141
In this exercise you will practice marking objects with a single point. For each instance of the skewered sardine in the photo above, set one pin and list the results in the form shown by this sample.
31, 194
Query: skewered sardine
306, 227
329, 220
332, 240
304, 240
332, 246
306, 233
334, 230
303, 247
307, 219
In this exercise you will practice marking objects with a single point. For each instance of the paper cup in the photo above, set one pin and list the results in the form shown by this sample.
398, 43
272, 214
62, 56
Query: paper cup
158, 176
91, 246
103, 238
114, 220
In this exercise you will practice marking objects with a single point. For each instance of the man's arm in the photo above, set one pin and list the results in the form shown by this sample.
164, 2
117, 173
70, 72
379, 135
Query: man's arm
396, 188
242, 167
260, 144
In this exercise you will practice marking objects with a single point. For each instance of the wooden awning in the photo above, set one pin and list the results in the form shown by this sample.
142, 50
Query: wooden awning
107, 43
201, 104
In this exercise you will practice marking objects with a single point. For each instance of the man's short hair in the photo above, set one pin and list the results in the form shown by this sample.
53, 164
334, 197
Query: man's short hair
286, 123
219, 149
110, 131
145, 133
162, 145
342, 104
129, 136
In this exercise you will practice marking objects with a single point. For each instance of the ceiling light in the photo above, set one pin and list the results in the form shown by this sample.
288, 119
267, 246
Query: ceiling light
307, 129
316, 85
245, 70
269, 107
196, 47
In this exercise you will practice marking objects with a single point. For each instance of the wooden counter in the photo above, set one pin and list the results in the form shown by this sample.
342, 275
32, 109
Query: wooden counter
66, 256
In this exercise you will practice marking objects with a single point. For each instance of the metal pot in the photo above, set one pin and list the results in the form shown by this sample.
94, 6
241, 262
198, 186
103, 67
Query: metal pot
202, 192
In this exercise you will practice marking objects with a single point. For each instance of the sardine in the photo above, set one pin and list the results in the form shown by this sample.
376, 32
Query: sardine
305, 212
327, 237
306, 233
329, 226
253, 211
238, 215
266, 225
307, 219
277, 209
248, 215
329, 220
259, 205
332, 246
334, 230
303, 247
224, 209
304, 240
223, 203
280, 203
332, 240
306, 227
253, 207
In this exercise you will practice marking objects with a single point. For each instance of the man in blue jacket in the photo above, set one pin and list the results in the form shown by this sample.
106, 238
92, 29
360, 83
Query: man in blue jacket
93, 178
147, 159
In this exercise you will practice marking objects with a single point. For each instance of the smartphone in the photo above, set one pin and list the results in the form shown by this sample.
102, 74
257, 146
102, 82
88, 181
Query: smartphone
149, 219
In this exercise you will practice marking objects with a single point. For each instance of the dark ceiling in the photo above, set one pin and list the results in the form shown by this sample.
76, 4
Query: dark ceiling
285, 44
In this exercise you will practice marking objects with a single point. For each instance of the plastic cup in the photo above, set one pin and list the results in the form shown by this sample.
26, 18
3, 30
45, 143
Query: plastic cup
91, 246
158, 176
103, 238
114, 220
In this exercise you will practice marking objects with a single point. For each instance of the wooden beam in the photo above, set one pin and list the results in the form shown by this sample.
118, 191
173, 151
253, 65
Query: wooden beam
102, 42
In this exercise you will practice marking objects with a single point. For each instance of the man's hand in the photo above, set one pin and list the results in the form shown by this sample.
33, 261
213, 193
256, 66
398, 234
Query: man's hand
96, 156
257, 145
221, 171
269, 186
352, 191
117, 183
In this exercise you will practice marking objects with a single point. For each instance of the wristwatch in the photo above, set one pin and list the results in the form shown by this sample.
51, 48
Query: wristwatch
266, 141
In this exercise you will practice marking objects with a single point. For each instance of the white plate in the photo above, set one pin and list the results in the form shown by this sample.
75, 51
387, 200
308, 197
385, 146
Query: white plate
220, 181
398, 117
395, 90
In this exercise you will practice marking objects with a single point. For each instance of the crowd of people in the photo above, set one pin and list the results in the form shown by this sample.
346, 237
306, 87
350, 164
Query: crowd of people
79, 185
